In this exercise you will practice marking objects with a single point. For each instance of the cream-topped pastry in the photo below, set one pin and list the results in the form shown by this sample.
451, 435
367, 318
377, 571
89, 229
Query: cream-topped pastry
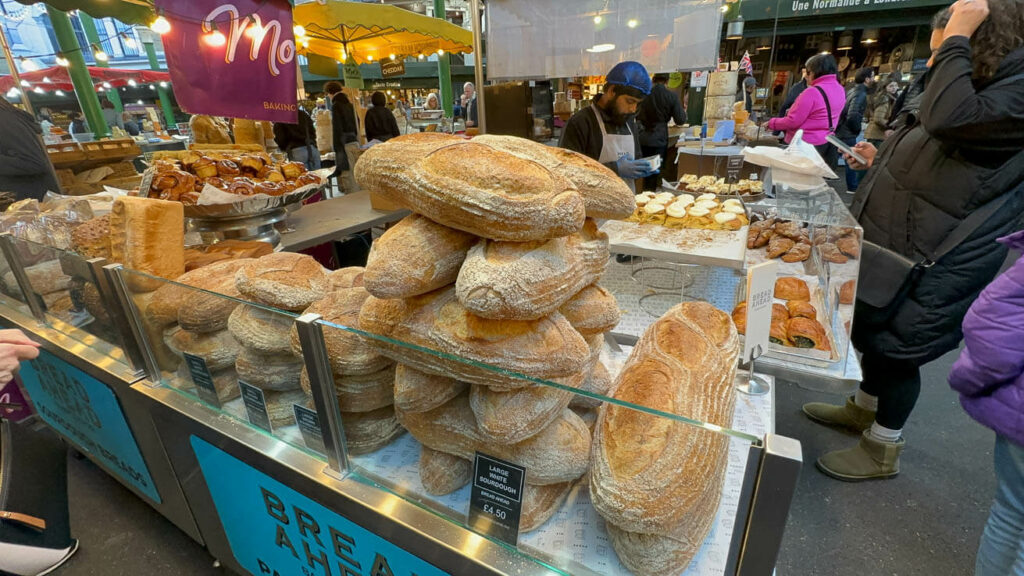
654, 208
644, 197
733, 209
723, 217
676, 210
728, 201
697, 211
688, 198
665, 197
706, 204
708, 196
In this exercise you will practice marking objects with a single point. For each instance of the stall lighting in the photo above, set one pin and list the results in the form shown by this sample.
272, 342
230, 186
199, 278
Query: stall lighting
139, 102
60, 60
13, 92
163, 84
598, 48
764, 44
215, 37
299, 31
598, 19
132, 83
25, 83
38, 90
106, 85
100, 89
344, 56
160, 25
845, 41
152, 87
28, 65
420, 57
99, 54
46, 79
825, 47
129, 42
724, 8
633, 23
305, 43
870, 36
734, 31
392, 56
440, 51
369, 57
59, 93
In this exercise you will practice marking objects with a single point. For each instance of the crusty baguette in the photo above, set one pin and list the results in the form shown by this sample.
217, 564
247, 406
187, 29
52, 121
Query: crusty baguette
545, 348
512, 416
361, 393
560, 453
169, 298
367, 432
605, 194
261, 330
529, 280
276, 372
283, 280
417, 391
472, 187
350, 354
540, 503
599, 381
218, 349
652, 475
148, 236
442, 473
414, 257
592, 310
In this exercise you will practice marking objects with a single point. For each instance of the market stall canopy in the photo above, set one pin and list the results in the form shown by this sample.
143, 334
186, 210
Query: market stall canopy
373, 32
127, 11
57, 78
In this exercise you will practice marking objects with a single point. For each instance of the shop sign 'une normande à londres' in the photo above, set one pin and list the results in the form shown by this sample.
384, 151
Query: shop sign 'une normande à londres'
762, 9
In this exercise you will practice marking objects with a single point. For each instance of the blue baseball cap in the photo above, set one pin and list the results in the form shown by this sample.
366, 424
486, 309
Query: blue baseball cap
631, 74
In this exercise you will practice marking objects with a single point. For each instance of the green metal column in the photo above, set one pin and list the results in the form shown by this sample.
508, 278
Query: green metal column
444, 67
89, 25
165, 98
68, 44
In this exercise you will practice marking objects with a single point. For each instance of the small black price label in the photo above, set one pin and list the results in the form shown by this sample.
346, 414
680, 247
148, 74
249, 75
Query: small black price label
309, 426
202, 378
255, 406
496, 499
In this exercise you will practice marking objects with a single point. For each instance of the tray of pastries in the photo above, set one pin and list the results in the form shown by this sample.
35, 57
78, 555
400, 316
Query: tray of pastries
751, 190
800, 321
705, 212
793, 241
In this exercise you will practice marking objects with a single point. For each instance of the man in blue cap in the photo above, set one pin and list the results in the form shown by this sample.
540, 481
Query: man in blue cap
606, 130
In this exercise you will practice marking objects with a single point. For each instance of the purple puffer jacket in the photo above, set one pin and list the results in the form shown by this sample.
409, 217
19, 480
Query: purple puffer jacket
990, 372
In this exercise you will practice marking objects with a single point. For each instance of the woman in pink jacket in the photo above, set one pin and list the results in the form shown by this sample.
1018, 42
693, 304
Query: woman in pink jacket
816, 110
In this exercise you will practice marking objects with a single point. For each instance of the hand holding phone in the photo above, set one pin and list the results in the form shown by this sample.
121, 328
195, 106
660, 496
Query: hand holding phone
846, 150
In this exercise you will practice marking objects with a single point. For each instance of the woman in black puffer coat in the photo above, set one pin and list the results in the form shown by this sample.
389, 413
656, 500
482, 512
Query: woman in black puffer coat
964, 150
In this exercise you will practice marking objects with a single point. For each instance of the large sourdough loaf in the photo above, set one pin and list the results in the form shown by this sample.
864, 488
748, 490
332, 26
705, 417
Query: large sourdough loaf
540, 503
44, 278
560, 453
599, 381
367, 432
279, 406
592, 310
148, 236
510, 416
276, 372
546, 348
283, 280
349, 277
442, 473
529, 280
350, 354
165, 358
219, 349
261, 330
652, 475
414, 257
472, 187
360, 393
205, 312
225, 382
169, 298
605, 195
417, 391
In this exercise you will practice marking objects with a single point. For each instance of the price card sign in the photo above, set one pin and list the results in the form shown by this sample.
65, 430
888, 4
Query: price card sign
496, 498
255, 406
309, 426
202, 378
760, 295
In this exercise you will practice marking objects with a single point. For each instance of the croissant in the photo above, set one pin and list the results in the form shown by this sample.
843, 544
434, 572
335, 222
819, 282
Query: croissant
739, 317
778, 246
306, 179
830, 253
792, 230
293, 170
789, 288
850, 246
777, 334
847, 291
205, 167
779, 313
801, 309
807, 333
798, 253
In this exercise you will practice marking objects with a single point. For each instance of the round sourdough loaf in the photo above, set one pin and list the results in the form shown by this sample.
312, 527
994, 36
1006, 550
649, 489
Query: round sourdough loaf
350, 354
417, 391
283, 280
205, 312
507, 417
168, 299
218, 349
261, 330
540, 503
279, 406
442, 473
345, 278
592, 310
277, 372
360, 393
598, 382
367, 432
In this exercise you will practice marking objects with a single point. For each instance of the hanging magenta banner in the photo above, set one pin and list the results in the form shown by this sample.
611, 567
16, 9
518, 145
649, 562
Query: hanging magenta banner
250, 74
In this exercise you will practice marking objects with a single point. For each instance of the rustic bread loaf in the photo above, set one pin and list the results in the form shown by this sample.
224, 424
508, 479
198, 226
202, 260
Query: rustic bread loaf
91, 238
225, 382
44, 278
592, 310
165, 358
599, 381
442, 473
261, 330
656, 555
605, 195
349, 277
652, 475
279, 406
529, 280
204, 312
417, 391
283, 280
169, 298
367, 432
472, 187
277, 372
540, 503
350, 354
414, 257
560, 453
94, 304
361, 393
546, 348
512, 416
148, 236
589, 418
218, 349
241, 248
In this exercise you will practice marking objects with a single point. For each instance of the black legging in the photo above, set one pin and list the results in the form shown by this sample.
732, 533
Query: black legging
896, 383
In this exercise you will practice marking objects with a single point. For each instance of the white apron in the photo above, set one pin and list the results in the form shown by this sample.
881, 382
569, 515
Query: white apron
615, 146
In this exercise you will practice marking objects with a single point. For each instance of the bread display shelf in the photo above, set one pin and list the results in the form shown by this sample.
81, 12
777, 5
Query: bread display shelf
680, 245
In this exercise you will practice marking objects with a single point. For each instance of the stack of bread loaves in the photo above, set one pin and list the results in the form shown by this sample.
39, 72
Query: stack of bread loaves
498, 266
658, 482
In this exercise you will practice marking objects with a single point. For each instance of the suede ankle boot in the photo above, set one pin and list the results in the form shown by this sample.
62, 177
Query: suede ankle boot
849, 416
871, 459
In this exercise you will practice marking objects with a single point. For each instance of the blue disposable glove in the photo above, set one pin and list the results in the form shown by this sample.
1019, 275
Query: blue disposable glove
630, 169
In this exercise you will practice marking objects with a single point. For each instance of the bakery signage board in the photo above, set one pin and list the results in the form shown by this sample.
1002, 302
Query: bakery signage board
274, 530
202, 378
496, 498
760, 297
255, 406
309, 426
86, 412
392, 68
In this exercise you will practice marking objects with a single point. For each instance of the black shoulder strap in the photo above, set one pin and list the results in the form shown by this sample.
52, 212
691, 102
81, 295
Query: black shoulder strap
828, 109
968, 226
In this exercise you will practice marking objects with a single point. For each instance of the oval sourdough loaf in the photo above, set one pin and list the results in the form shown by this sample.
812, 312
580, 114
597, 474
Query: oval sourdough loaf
598, 382
605, 195
165, 358
547, 348
414, 257
592, 310
170, 297
529, 280
560, 453
279, 406
219, 349
472, 187
367, 432
511, 416
417, 391
658, 477
349, 277
442, 473
540, 503
349, 353
361, 393
261, 330
277, 372
283, 280
205, 312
